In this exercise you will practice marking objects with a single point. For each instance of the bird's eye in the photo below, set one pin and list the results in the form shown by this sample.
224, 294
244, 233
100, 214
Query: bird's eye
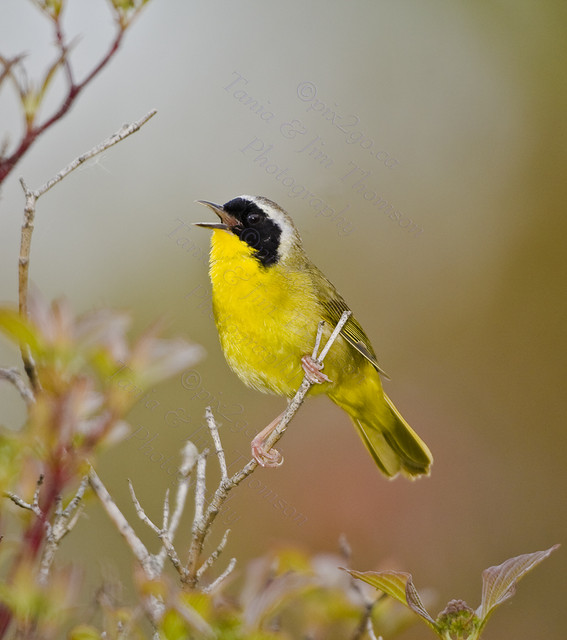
253, 218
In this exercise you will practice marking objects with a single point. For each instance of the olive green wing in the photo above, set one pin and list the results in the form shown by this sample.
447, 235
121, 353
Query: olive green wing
333, 308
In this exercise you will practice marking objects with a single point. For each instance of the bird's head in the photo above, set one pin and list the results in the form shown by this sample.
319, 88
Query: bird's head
260, 223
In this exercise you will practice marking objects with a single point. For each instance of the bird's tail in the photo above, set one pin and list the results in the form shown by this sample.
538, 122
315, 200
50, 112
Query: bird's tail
394, 445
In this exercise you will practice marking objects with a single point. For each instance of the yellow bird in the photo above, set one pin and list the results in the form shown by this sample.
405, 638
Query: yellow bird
268, 299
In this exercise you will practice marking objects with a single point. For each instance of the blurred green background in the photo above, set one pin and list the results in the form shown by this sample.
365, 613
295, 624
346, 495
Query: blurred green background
461, 109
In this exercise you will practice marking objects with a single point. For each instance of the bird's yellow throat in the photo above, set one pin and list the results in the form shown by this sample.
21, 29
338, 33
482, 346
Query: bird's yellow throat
234, 270
262, 328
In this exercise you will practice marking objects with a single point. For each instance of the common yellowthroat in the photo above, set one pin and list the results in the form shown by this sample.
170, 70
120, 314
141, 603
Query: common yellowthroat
268, 299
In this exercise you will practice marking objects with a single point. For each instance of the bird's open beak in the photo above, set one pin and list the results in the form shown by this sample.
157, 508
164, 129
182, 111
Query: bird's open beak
227, 221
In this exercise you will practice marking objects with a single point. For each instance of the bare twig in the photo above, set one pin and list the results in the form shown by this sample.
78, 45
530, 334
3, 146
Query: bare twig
72, 90
33, 506
200, 488
140, 511
165, 519
214, 555
171, 553
164, 534
211, 587
65, 520
297, 400
366, 626
218, 446
20, 502
189, 458
153, 606
124, 131
14, 376
192, 572
339, 327
299, 397
318, 339
29, 221
152, 564
204, 519
7, 64
136, 545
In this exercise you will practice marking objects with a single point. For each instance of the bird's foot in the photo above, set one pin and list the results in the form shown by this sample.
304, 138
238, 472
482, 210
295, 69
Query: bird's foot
265, 457
313, 371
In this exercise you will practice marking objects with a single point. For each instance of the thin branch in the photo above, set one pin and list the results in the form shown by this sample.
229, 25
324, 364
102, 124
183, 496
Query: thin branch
75, 89
171, 552
366, 625
20, 502
74, 503
152, 564
204, 520
165, 519
8, 63
23, 278
136, 545
72, 93
14, 376
65, 520
214, 555
340, 324
124, 131
318, 339
33, 506
200, 488
297, 400
140, 511
218, 445
192, 572
29, 222
370, 630
164, 534
64, 51
189, 457
211, 587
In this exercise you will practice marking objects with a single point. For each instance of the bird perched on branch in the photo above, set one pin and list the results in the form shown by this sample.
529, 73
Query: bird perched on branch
268, 298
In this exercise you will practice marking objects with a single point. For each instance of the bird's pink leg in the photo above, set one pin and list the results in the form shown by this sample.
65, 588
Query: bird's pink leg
266, 457
272, 457
313, 371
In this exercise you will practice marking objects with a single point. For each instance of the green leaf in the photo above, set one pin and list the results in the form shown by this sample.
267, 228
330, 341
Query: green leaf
399, 585
48, 78
19, 330
499, 583
52, 8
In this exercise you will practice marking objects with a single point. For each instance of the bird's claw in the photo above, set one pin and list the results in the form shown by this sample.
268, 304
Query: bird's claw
313, 371
265, 457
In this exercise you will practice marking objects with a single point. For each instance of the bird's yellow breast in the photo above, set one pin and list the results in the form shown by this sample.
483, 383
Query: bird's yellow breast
266, 316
